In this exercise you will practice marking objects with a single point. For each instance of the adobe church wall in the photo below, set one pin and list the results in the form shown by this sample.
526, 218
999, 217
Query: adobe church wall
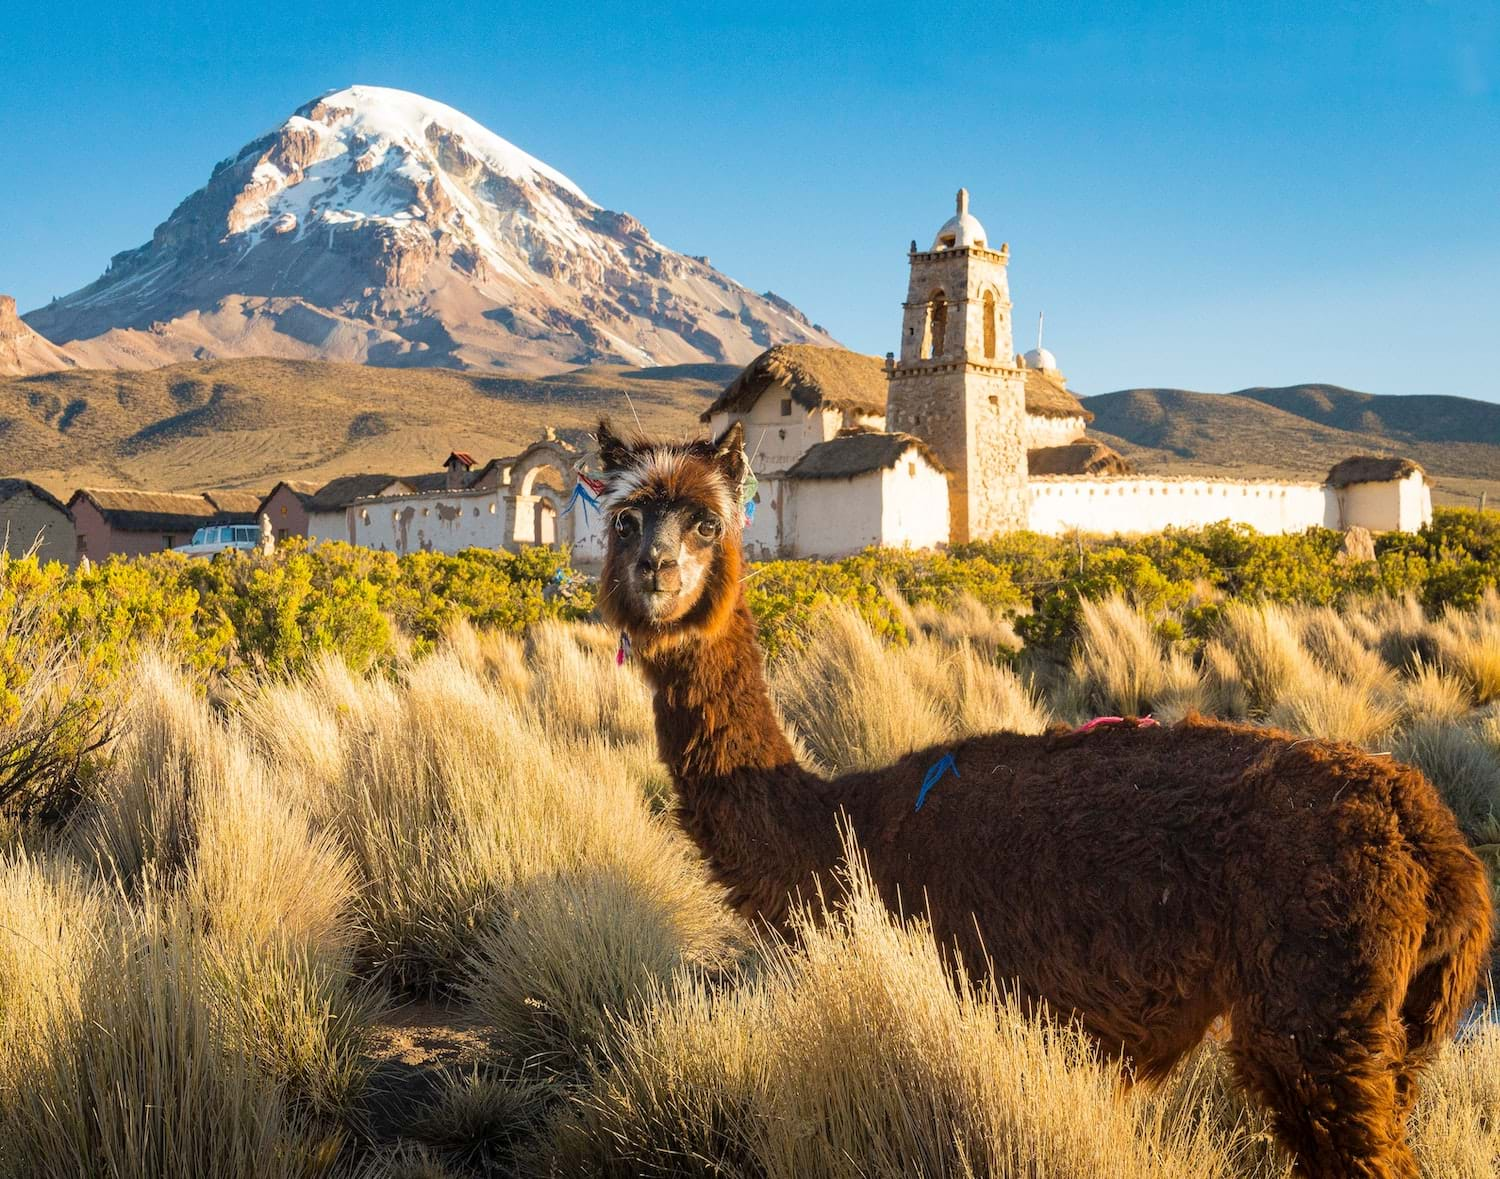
1144, 504
1042, 431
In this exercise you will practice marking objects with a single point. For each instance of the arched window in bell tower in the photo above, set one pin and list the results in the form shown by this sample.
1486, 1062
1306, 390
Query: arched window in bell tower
937, 325
989, 325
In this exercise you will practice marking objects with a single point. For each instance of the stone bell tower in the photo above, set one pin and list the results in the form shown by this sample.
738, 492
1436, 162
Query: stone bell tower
957, 385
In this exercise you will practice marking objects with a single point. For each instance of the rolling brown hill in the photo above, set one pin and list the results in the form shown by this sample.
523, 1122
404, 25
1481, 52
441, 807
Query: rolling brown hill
1303, 430
248, 423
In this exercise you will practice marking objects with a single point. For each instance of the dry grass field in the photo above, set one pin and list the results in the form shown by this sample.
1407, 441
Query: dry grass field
248, 423
437, 921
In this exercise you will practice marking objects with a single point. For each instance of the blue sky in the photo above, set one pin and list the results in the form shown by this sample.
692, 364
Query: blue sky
1205, 196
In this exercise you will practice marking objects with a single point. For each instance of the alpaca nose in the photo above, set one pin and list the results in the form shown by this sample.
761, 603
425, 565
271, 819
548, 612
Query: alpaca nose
655, 560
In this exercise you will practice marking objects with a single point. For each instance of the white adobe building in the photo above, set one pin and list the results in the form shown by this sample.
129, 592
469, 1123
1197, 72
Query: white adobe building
506, 504
954, 438
852, 452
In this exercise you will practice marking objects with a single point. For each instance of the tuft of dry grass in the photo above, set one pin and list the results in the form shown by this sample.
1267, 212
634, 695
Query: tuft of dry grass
1259, 647
859, 1044
1121, 667
1468, 645
964, 621
1463, 766
577, 951
1360, 711
141, 1082
855, 702
1432, 696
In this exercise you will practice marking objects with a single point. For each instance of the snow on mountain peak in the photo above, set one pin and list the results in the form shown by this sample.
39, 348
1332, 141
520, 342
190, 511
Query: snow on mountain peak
379, 226
399, 116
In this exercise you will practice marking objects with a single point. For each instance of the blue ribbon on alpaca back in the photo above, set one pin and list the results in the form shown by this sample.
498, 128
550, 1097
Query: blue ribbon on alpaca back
938, 769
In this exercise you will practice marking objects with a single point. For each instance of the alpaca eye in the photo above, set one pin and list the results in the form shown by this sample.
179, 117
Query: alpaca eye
625, 523
709, 528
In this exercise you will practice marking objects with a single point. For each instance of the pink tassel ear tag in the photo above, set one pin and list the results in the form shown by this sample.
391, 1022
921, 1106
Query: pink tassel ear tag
624, 652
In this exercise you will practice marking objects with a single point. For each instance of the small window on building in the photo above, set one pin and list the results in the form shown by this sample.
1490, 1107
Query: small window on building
281, 534
786, 407
166, 542
283, 509
492, 509
995, 400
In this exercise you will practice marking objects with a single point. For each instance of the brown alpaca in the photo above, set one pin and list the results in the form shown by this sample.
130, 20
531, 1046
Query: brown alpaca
1145, 880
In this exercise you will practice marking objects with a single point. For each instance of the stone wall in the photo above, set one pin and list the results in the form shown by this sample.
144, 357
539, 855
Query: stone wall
961, 394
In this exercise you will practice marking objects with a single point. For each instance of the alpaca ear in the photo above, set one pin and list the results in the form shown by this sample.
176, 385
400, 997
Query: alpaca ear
729, 455
614, 453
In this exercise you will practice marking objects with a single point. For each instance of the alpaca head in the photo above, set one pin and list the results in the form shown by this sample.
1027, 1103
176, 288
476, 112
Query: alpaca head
672, 568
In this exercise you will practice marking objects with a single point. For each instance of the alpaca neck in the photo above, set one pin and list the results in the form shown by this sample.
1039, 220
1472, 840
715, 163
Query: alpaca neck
758, 817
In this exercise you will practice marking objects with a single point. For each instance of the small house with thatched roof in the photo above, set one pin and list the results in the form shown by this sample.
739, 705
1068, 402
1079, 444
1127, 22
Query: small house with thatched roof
859, 489
32, 519
1380, 493
795, 396
112, 520
958, 437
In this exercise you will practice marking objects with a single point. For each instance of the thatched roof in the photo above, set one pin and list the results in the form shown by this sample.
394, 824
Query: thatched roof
858, 453
10, 488
338, 494
1369, 468
840, 379
148, 511
1082, 457
1049, 398
814, 378
235, 503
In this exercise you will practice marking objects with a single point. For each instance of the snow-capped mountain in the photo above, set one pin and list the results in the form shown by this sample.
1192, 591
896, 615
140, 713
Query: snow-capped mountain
381, 227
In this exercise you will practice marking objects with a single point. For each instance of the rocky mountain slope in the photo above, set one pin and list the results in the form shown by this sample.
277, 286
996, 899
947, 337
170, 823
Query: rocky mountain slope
379, 227
1301, 429
22, 351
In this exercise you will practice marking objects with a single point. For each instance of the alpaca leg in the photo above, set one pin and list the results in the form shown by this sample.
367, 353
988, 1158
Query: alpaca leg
1333, 1096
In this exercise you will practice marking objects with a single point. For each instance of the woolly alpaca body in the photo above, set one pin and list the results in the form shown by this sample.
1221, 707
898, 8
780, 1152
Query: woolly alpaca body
1144, 880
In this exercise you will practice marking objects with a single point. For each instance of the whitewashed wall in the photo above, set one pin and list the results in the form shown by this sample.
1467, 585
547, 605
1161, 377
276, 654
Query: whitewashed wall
762, 539
1137, 504
1042, 431
588, 536
905, 506
915, 504
833, 517
329, 526
438, 521
1404, 504
774, 442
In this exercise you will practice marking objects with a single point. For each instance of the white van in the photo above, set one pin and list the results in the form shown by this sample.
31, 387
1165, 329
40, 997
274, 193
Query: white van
218, 538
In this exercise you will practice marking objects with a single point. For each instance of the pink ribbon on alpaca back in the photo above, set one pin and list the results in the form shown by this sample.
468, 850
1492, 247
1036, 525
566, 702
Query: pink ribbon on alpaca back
1144, 722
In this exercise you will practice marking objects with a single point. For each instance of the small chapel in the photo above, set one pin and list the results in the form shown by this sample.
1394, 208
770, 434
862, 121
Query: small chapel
956, 437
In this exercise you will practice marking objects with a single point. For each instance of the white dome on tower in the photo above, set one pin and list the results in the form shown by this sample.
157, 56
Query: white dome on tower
962, 229
1040, 358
